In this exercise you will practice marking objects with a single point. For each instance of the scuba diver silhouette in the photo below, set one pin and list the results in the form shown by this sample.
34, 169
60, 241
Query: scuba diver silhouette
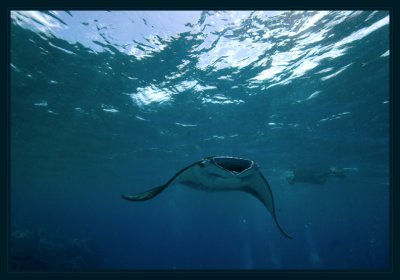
312, 176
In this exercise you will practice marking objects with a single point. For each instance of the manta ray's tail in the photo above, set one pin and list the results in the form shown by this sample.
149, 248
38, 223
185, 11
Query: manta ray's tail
145, 195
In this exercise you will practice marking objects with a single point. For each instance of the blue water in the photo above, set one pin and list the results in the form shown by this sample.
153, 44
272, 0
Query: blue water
110, 103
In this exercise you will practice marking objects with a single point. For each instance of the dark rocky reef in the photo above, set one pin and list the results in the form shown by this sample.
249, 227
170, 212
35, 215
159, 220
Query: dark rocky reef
36, 250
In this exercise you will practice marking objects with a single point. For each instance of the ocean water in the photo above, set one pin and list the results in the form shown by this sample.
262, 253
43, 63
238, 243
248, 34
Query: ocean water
105, 103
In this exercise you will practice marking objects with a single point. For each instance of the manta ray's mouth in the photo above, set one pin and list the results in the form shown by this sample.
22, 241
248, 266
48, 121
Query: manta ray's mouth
235, 165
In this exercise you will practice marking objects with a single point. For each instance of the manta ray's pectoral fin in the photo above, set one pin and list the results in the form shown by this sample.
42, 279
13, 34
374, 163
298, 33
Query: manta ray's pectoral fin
145, 195
259, 188
155, 191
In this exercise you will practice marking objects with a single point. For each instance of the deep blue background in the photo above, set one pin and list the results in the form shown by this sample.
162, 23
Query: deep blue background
72, 158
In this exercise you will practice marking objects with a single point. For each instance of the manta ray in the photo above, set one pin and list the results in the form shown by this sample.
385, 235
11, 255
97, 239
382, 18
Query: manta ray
220, 173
